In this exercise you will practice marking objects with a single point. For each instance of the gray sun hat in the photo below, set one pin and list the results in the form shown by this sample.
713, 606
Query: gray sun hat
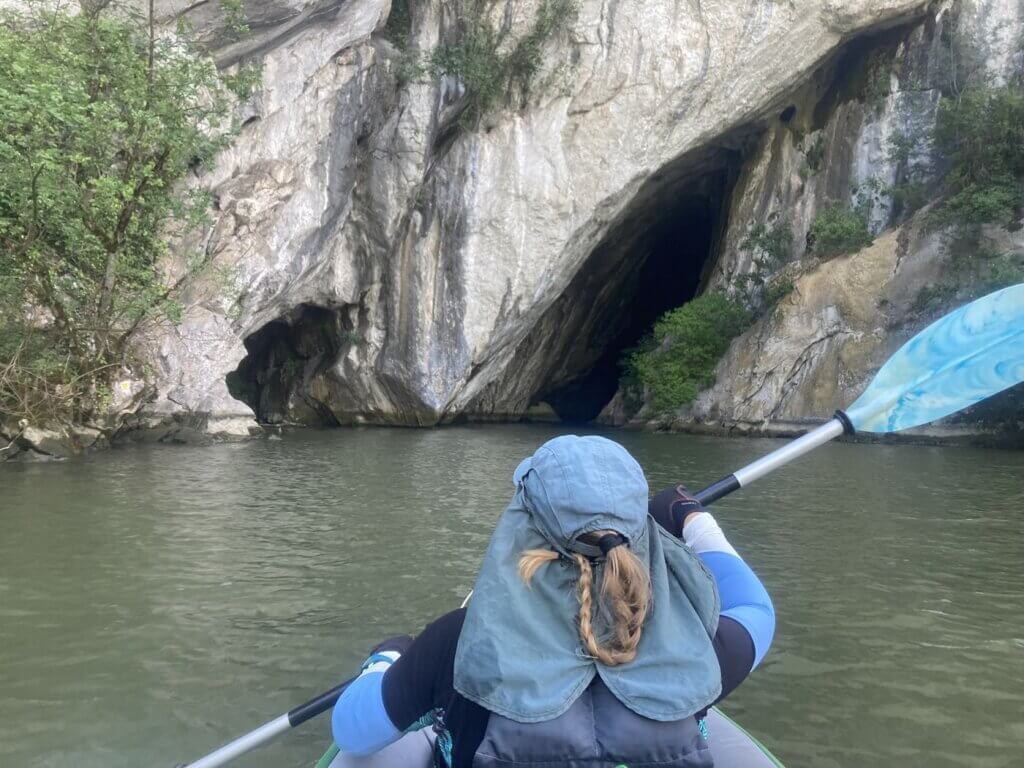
520, 654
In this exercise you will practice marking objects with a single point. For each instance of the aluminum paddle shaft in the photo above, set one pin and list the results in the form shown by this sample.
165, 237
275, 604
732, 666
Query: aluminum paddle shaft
741, 478
238, 747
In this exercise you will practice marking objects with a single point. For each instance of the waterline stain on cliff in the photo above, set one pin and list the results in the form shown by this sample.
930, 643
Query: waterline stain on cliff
285, 356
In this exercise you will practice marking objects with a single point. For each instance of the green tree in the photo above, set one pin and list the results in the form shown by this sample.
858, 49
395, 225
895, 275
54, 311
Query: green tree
100, 117
981, 133
838, 230
678, 360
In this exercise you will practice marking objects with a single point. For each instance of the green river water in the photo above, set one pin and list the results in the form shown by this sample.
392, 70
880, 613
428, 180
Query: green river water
157, 601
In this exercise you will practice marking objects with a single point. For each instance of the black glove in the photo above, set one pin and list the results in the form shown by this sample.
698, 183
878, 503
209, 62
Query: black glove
671, 506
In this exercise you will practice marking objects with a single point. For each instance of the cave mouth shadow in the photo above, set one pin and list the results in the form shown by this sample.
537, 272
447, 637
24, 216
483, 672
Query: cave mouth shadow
284, 356
657, 258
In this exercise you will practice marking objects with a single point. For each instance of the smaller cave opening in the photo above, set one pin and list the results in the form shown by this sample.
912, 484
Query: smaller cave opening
284, 358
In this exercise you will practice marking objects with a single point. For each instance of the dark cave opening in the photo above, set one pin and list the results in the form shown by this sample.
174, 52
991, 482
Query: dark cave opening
285, 355
656, 259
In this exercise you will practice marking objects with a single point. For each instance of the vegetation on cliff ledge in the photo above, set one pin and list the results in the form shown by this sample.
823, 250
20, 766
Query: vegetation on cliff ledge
770, 246
678, 359
491, 66
838, 230
100, 118
981, 134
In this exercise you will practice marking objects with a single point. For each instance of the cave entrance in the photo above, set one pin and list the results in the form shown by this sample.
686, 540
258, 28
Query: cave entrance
284, 358
655, 259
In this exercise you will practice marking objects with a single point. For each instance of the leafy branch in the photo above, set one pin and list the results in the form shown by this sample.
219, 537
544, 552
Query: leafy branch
489, 66
100, 120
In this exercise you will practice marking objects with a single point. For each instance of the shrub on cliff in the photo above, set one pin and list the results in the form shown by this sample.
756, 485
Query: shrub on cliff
489, 65
980, 133
678, 359
769, 246
839, 229
99, 119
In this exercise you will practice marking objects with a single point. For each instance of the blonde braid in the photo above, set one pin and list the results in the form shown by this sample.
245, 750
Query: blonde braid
625, 587
586, 583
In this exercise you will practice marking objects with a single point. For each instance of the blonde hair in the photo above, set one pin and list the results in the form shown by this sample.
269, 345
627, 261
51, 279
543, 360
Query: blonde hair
625, 591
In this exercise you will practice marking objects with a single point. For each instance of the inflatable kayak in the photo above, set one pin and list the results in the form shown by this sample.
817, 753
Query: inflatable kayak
731, 746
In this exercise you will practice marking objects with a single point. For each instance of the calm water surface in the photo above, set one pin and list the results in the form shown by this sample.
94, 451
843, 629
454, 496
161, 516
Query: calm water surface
155, 602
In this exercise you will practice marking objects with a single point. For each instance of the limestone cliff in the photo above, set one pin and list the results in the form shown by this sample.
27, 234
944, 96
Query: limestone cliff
389, 264
819, 347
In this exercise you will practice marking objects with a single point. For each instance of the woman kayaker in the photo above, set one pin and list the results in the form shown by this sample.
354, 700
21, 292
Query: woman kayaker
594, 637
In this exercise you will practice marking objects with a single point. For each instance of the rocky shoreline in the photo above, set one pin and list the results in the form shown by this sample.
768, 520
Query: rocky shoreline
53, 443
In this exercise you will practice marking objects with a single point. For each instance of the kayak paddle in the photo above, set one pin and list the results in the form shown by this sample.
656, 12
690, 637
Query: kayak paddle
970, 354
271, 730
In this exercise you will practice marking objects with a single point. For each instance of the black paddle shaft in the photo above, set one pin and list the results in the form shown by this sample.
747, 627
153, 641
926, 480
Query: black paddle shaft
317, 705
271, 729
717, 490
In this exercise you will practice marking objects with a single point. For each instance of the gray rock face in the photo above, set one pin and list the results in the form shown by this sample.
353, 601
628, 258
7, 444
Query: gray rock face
385, 266
821, 345
838, 146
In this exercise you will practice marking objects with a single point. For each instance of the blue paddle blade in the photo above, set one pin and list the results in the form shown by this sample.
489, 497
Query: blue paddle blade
957, 361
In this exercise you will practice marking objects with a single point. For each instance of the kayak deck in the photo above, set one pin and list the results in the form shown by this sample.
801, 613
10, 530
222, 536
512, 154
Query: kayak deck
733, 747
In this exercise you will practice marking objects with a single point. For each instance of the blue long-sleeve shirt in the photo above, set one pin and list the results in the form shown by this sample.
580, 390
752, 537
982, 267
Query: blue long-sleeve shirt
744, 598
